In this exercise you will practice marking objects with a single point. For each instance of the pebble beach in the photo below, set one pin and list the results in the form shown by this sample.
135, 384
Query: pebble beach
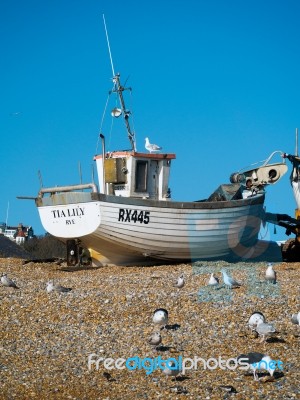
48, 338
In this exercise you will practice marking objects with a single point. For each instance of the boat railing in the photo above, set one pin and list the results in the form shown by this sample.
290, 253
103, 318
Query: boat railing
69, 188
263, 163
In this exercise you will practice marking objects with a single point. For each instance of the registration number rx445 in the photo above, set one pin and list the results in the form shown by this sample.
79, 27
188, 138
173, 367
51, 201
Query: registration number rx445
136, 216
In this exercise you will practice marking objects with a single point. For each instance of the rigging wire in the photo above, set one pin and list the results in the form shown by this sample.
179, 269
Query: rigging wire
111, 124
131, 113
101, 124
110, 132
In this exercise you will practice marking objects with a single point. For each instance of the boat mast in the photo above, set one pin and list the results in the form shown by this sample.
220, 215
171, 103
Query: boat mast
118, 88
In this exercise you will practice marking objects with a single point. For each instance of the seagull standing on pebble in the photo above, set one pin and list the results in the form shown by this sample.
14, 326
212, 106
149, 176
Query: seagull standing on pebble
152, 148
270, 274
254, 320
296, 318
264, 329
257, 361
180, 282
229, 282
51, 287
171, 369
213, 280
155, 339
6, 281
160, 317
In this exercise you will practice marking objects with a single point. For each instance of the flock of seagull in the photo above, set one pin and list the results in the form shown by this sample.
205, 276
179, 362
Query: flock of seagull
50, 287
257, 321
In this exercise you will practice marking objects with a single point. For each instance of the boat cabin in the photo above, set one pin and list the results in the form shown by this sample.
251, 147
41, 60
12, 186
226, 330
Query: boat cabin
133, 174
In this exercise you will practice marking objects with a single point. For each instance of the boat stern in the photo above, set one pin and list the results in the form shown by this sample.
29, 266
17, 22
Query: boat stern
69, 214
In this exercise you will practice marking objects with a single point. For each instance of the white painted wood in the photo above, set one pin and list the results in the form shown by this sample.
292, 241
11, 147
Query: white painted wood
71, 220
172, 233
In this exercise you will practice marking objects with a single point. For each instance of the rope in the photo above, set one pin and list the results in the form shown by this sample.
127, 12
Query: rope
262, 236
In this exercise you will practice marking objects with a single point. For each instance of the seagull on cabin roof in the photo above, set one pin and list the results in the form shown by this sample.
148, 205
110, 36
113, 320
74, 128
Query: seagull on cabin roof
257, 361
270, 274
152, 148
6, 281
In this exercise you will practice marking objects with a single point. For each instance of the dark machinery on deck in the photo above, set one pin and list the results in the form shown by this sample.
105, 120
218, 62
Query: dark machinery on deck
291, 248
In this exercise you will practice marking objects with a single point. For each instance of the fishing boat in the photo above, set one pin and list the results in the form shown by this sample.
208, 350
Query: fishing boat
127, 217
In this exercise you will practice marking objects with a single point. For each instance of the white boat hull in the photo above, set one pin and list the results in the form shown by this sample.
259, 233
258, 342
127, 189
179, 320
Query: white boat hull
126, 231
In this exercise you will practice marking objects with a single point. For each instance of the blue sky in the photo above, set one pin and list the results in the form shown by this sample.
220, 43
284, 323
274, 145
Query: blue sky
216, 82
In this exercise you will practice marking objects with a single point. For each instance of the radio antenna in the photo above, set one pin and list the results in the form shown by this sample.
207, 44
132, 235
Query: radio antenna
119, 89
111, 61
40, 178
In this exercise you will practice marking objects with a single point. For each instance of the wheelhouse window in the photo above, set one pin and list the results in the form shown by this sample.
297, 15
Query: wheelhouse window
141, 176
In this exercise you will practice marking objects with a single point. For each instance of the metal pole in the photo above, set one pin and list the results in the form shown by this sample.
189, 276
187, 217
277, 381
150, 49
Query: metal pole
119, 89
80, 172
103, 162
7, 214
